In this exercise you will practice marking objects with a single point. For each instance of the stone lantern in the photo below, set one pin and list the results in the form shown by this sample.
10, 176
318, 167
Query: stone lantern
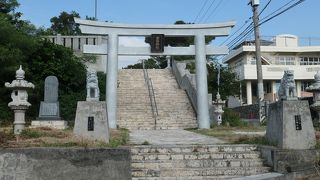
315, 89
19, 103
217, 113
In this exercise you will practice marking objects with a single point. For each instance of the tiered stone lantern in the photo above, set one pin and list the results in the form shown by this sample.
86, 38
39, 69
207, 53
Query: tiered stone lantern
315, 89
19, 103
217, 113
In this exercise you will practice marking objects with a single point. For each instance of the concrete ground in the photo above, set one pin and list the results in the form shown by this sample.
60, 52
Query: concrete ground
177, 136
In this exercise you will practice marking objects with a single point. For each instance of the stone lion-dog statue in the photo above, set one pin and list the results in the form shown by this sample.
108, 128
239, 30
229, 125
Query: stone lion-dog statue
287, 89
92, 86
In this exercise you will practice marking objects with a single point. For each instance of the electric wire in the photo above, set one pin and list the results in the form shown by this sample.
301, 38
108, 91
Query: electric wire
212, 12
207, 10
202, 8
246, 32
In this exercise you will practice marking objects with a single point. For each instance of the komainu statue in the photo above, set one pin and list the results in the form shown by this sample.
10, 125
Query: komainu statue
287, 89
92, 86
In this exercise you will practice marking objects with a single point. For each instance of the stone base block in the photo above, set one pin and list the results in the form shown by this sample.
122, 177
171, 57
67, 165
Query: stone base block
290, 126
55, 124
91, 120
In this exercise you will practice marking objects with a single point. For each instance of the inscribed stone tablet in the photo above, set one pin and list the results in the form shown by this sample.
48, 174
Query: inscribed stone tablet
51, 89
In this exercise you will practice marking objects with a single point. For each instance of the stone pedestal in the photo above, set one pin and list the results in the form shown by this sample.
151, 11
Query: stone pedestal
55, 124
290, 126
91, 121
19, 120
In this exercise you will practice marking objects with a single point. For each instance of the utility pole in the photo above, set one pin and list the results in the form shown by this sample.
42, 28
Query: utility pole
255, 5
95, 10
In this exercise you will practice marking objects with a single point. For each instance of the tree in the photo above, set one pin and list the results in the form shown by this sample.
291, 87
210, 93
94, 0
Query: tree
229, 86
158, 62
19, 44
64, 24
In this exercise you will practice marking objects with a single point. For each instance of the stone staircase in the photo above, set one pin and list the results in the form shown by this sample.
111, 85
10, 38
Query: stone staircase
181, 162
134, 110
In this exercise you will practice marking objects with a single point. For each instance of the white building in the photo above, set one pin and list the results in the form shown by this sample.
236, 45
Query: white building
76, 44
279, 54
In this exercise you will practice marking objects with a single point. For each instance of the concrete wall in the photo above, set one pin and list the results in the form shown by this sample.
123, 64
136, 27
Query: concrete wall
65, 164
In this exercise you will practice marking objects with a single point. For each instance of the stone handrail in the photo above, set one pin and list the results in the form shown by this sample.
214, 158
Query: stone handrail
153, 101
186, 80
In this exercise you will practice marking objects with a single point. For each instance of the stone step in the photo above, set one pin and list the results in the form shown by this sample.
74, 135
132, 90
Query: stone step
178, 162
195, 156
189, 172
194, 148
186, 178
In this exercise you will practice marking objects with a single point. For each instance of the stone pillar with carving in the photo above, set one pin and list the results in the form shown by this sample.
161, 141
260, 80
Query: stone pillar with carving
19, 103
218, 111
315, 89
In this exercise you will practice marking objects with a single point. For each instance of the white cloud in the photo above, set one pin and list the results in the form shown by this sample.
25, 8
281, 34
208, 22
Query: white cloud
131, 42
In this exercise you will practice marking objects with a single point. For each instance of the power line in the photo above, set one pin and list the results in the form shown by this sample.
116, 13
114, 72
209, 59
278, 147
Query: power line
212, 12
265, 7
202, 8
290, 7
246, 23
236, 31
204, 15
245, 33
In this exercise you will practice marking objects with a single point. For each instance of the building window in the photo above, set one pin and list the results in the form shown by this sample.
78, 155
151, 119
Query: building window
285, 60
309, 61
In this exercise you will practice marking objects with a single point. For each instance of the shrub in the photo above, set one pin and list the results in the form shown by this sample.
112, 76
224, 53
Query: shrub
231, 118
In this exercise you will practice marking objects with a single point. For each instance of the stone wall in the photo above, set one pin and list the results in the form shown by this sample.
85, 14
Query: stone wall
248, 111
65, 163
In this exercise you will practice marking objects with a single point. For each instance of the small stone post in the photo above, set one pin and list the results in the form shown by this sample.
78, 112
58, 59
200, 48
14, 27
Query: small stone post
315, 89
19, 103
217, 113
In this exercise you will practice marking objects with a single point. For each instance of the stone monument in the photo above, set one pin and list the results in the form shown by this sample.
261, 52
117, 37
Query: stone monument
92, 86
315, 89
19, 103
49, 113
289, 123
91, 117
218, 111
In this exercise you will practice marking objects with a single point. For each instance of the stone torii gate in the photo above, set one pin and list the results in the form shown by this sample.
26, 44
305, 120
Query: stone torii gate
112, 49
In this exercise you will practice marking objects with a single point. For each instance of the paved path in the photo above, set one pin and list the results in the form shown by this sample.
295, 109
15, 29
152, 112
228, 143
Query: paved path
178, 136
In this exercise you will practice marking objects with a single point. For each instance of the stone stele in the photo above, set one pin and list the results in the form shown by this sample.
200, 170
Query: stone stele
49, 113
91, 121
49, 108
289, 125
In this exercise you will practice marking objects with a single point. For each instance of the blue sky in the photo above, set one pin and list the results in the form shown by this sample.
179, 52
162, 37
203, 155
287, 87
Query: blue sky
302, 20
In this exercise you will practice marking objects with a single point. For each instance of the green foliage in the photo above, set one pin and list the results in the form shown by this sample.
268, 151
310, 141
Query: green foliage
64, 24
30, 133
145, 143
121, 139
158, 62
231, 118
229, 86
102, 85
254, 140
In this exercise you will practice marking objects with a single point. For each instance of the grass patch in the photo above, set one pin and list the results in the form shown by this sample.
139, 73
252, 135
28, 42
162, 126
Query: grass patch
254, 140
227, 133
119, 137
47, 137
